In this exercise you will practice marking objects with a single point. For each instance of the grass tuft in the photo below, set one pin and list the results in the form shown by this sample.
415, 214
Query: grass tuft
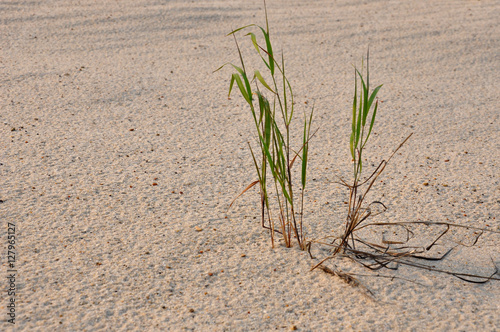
388, 254
273, 119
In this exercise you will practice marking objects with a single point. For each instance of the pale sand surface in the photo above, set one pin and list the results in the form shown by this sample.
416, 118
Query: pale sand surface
101, 247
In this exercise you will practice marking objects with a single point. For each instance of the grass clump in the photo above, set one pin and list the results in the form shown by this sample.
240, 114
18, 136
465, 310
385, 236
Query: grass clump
282, 208
387, 254
364, 112
273, 119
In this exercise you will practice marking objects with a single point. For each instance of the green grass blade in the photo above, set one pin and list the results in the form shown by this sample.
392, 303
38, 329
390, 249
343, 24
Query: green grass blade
249, 89
245, 78
307, 137
372, 122
373, 95
275, 169
254, 41
365, 99
237, 78
281, 163
269, 48
351, 144
265, 110
359, 122
231, 86
258, 48
366, 109
310, 121
354, 106
304, 154
255, 163
267, 125
267, 21
291, 99
242, 71
221, 67
261, 107
286, 194
279, 149
234, 31
368, 70
247, 83
270, 159
261, 80
285, 103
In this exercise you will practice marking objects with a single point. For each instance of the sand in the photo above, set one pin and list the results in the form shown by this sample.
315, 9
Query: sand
120, 154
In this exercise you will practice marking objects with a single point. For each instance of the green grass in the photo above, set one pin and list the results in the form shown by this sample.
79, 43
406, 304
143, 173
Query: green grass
362, 111
272, 117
